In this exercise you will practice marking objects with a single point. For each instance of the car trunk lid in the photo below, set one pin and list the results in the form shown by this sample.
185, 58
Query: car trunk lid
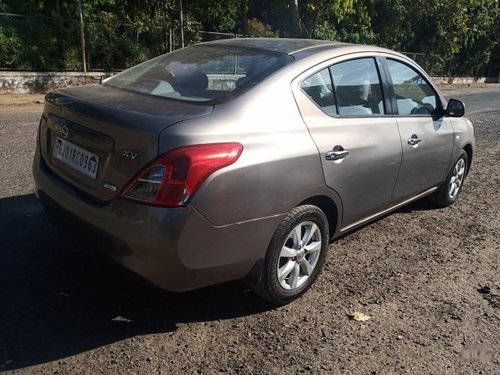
96, 138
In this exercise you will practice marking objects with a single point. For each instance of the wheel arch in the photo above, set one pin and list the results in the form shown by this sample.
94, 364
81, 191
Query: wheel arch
468, 149
333, 212
328, 206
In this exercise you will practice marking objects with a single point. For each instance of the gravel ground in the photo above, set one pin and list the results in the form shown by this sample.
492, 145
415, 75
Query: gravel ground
416, 273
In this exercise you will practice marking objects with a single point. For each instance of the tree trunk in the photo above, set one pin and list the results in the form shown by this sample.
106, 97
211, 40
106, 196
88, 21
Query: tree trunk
244, 17
298, 30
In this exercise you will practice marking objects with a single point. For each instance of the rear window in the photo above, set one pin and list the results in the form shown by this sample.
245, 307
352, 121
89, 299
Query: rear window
200, 73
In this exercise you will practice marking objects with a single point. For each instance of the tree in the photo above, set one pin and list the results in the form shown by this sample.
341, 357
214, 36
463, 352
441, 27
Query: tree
215, 15
454, 36
298, 29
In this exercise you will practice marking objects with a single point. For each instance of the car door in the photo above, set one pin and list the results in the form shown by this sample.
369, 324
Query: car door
426, 135
343, 105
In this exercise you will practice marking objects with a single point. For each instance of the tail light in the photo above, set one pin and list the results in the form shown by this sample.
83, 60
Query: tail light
172, 178
41, 128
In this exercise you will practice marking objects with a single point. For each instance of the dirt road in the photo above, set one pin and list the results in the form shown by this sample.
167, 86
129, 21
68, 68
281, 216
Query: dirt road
416, 273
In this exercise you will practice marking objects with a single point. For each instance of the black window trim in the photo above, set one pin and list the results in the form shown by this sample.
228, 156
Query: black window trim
386, 86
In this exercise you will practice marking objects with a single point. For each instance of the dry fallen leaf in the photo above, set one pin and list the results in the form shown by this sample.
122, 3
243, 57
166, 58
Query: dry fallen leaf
359, 317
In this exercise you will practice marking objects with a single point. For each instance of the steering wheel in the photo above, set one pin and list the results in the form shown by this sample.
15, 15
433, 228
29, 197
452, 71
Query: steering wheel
422, 109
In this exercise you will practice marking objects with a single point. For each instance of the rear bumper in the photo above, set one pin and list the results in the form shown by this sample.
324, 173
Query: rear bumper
174, 248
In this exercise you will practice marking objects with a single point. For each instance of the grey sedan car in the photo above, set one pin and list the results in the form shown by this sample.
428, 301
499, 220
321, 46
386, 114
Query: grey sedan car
244, 158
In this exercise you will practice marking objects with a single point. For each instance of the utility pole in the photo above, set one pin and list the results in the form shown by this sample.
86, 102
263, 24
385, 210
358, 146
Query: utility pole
82, 38
181, 23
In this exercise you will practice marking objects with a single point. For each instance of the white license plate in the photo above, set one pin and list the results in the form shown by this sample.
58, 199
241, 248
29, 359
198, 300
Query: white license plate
82, 160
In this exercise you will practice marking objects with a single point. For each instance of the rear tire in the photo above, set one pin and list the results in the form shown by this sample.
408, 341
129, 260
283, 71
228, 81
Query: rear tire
449, 191
295, 255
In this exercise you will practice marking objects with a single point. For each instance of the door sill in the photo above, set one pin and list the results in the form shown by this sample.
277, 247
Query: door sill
387, 210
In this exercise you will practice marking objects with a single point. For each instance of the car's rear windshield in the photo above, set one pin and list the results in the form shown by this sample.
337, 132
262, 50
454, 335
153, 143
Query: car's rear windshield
200, 73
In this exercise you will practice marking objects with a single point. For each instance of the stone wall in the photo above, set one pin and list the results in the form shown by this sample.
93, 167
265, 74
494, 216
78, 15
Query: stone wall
463, 80
42, 82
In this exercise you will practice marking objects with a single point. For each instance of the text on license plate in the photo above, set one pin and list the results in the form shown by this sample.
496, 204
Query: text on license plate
82, 160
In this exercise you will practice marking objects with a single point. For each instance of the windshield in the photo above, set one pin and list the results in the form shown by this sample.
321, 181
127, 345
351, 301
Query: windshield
200, 73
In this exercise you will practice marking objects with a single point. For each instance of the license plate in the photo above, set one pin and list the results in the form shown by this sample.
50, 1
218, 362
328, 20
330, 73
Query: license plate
76, 157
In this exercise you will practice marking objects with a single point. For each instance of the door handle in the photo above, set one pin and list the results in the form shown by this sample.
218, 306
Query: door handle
337, 153
414, 140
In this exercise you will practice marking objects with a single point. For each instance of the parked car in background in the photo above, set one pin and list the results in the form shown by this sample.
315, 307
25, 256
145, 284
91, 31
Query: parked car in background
242, 159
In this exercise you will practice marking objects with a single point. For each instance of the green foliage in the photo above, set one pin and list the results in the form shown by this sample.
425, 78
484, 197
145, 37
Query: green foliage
27, 43
346, 21
9, 45
448, 36
461, 32
215, 15
317, 12
260, 29
113, 46
192, 28
326, 31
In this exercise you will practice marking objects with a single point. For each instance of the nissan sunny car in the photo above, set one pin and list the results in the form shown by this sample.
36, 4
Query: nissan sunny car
244, 158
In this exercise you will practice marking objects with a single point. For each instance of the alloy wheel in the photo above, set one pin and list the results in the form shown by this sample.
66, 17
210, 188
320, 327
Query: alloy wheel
299, 255
456, 179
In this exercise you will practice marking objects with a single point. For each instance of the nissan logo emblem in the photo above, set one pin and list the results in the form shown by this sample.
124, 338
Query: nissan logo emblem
65, 132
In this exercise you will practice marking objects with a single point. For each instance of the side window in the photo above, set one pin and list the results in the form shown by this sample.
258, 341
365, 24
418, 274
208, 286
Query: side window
357, 87
414, 96
319, 89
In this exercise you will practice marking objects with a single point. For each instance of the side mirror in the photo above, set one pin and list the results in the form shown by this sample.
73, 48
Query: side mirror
455, 108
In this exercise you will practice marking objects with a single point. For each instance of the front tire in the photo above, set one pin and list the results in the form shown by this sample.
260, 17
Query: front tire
449, 191
295, 255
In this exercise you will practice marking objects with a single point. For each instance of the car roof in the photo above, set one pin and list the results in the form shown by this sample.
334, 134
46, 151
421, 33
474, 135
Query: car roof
290, 46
